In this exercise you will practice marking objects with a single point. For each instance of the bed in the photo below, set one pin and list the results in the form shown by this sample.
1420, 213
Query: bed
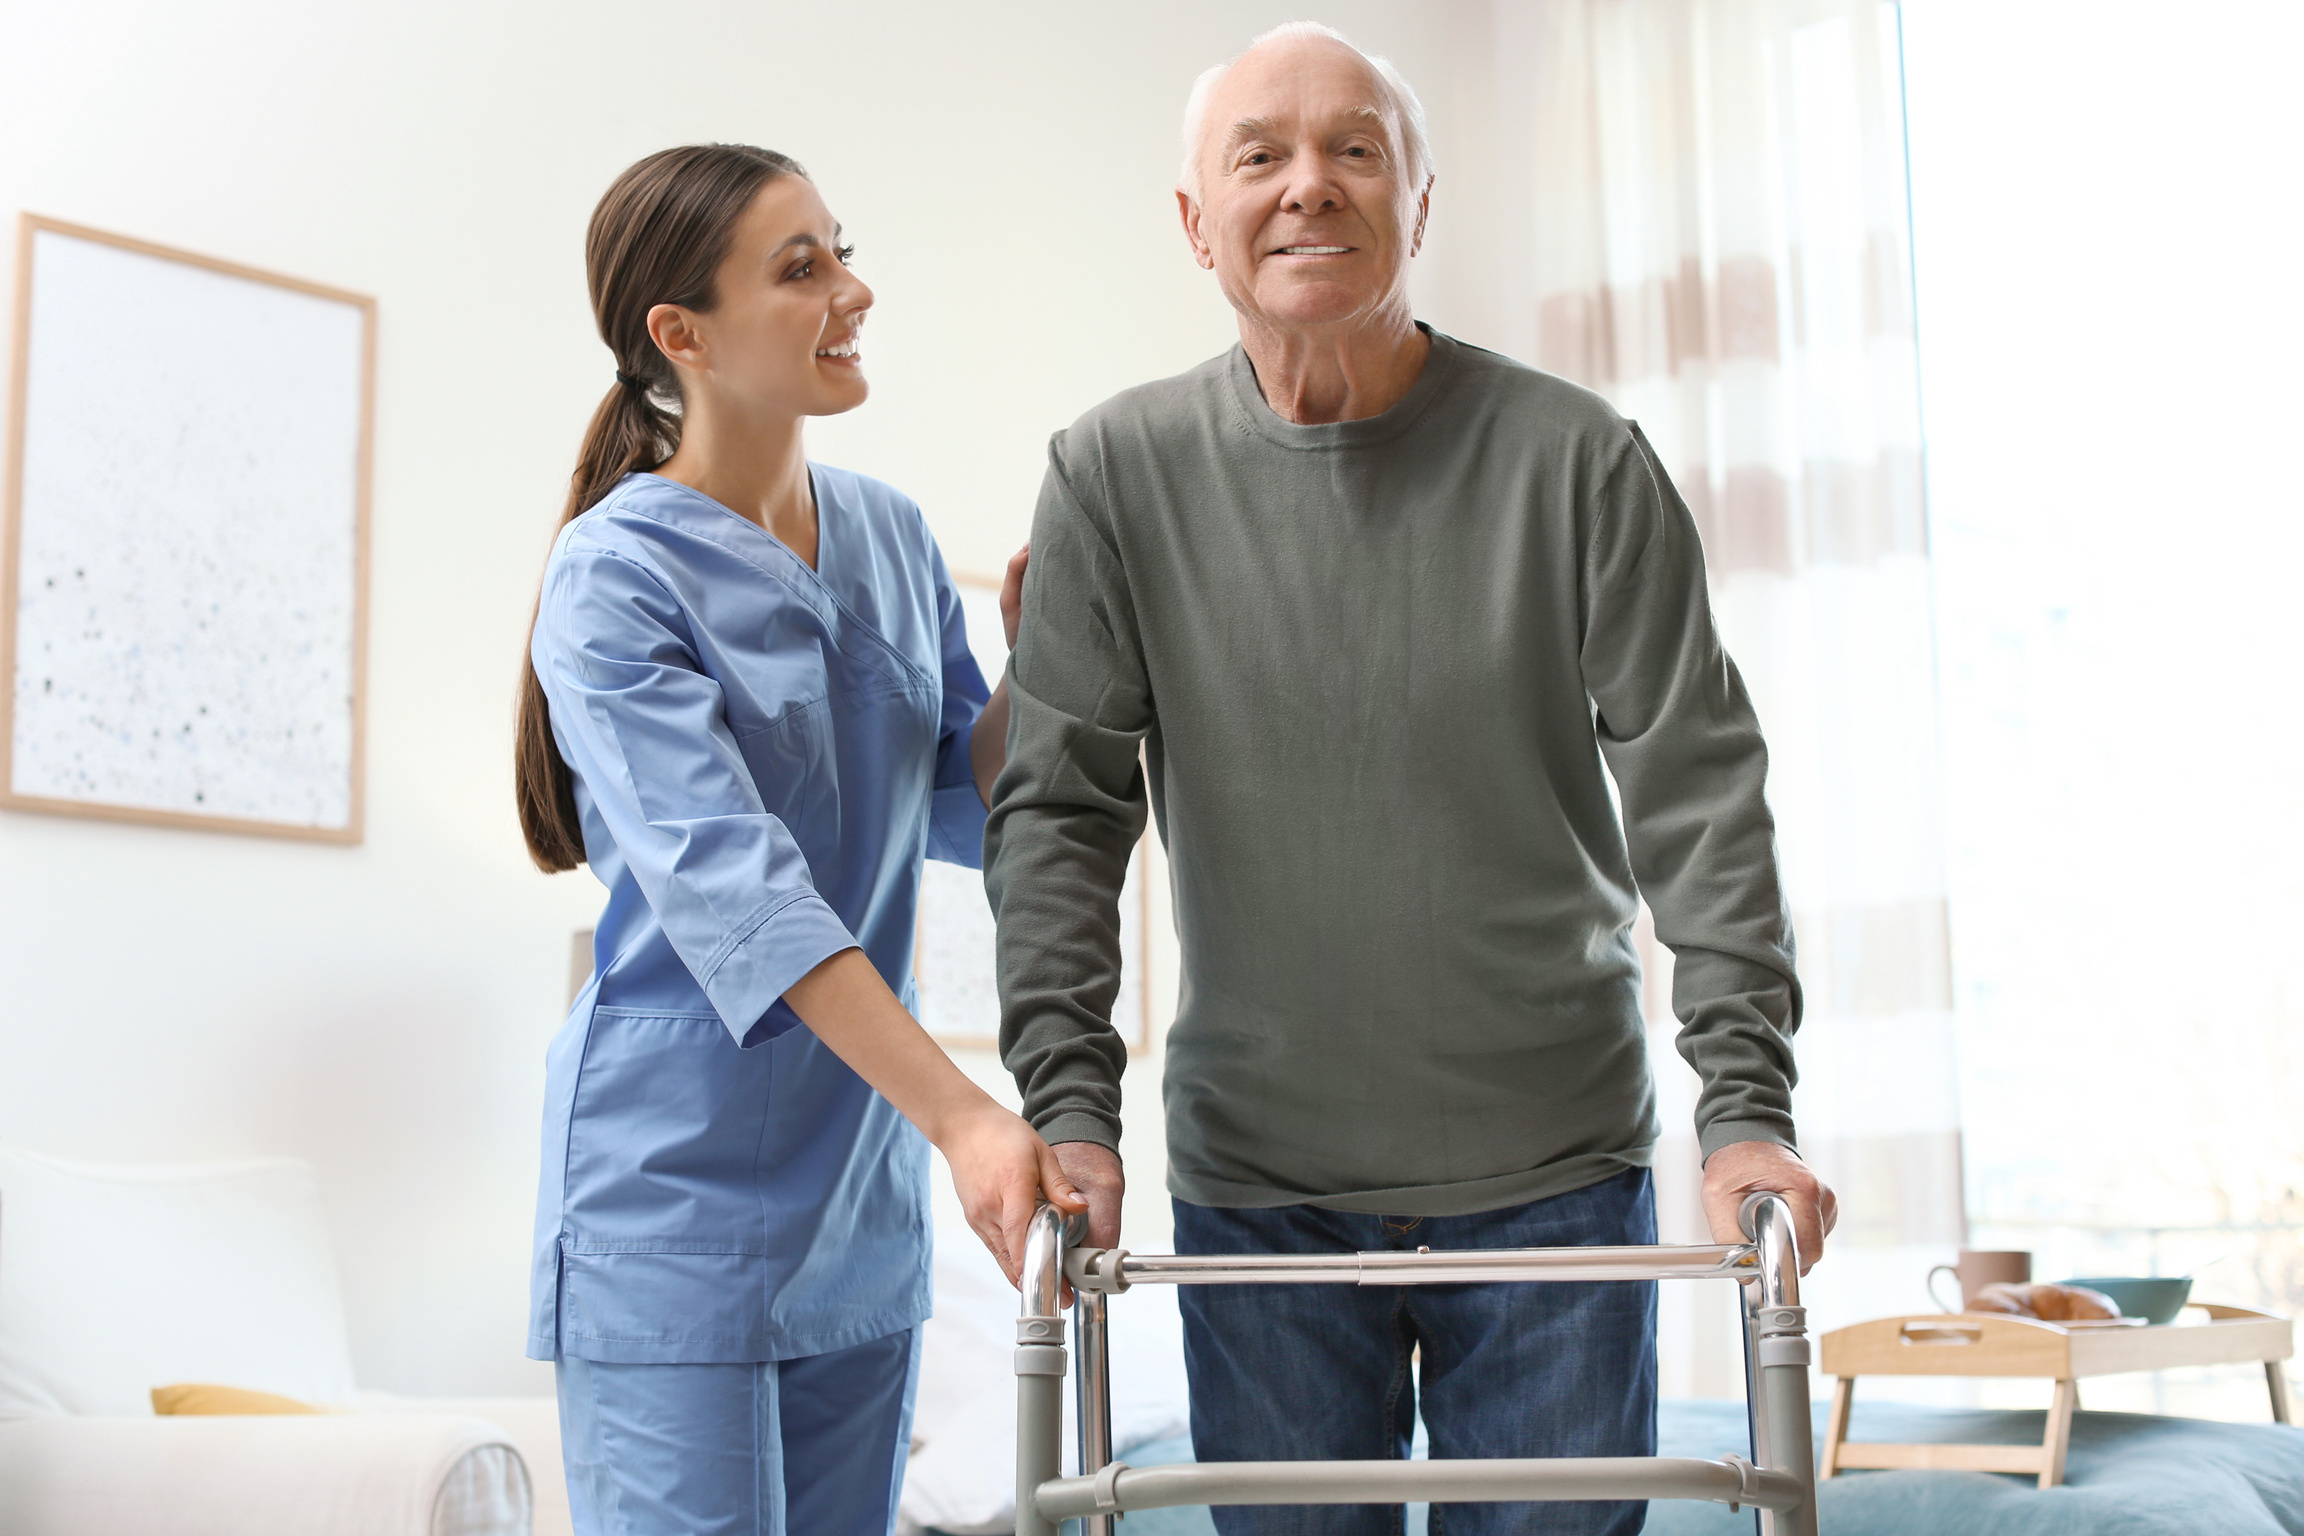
2129, 1475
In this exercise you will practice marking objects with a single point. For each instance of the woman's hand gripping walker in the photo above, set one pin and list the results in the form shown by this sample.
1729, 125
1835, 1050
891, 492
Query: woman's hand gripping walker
1778, 1480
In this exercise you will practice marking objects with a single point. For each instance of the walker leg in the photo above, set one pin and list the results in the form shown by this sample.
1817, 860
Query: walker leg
1039, 1447
1040, 1371
1092, 1390
2277, 1380
1756, 1426
1779, 1352
1748, 1303
1791, 1442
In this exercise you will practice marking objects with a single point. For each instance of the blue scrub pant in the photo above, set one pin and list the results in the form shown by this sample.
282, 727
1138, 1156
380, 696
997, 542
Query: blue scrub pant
814, 1445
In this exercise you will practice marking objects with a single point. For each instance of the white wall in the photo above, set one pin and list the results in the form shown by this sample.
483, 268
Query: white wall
169, 996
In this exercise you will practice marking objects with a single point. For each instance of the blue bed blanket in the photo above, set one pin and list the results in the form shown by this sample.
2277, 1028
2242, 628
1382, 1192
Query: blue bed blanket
2128, 1474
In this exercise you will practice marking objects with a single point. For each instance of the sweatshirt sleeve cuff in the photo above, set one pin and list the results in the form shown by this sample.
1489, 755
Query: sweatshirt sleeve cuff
1724, 1133
1078, 1125
753, 977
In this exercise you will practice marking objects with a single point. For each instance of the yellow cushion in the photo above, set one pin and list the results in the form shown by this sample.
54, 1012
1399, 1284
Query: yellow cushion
193, 1397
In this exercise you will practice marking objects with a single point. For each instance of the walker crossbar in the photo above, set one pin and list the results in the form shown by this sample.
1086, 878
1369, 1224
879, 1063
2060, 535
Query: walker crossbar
1122, 1487
1114, 1270
1779, 1481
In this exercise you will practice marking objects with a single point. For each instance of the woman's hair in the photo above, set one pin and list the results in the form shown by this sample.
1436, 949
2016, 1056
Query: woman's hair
657, 237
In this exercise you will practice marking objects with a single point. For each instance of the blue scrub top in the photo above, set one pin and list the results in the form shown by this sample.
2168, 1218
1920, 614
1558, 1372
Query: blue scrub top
763, 754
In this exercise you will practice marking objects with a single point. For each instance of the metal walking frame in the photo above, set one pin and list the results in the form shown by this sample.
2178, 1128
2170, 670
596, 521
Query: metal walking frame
1779, 1481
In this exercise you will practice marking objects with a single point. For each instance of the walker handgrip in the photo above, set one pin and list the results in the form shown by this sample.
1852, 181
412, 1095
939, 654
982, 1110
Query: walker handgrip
1746, 1212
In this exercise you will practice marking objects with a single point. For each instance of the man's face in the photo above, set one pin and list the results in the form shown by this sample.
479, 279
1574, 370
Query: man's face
1306, 214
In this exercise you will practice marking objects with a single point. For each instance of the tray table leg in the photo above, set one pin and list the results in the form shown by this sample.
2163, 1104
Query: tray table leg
2059, 1437
1836, 1427
2277, 1380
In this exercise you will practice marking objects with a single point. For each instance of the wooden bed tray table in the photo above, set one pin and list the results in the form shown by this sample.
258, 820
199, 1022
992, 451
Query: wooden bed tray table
1989, 1344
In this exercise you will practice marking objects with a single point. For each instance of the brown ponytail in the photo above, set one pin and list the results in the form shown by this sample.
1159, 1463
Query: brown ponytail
657, 238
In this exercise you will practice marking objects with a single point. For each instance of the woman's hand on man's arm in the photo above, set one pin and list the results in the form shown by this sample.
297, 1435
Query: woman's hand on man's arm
988, 740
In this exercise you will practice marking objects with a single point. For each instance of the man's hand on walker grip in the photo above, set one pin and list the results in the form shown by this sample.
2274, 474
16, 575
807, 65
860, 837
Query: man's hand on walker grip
1746, 1167
1094, 1170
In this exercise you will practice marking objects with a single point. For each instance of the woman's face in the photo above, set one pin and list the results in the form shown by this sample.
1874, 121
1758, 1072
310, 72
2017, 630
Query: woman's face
782, 337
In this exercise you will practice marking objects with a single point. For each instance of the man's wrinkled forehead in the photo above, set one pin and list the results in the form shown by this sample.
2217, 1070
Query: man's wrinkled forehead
1281, 91
1374, 118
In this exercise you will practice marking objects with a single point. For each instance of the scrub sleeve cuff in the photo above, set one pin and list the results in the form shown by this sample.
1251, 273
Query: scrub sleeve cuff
752, 978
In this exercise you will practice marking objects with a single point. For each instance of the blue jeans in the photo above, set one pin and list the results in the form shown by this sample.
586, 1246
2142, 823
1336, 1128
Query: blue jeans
1321, 1372
813, 1446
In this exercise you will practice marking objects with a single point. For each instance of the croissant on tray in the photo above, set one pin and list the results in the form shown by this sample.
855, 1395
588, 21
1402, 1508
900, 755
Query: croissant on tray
2049, 1303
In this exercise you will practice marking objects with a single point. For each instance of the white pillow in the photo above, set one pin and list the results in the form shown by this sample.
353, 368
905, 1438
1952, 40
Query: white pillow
114, 1281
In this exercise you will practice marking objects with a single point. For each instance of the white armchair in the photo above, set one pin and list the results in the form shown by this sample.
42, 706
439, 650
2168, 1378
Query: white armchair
117, 1280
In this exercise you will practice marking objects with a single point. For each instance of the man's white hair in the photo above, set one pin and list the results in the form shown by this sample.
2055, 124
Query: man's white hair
1414, 146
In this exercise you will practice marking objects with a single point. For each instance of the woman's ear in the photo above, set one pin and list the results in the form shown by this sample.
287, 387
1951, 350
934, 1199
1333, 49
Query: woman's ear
678, 336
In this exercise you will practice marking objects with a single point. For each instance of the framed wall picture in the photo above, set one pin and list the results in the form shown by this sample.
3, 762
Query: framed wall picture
183, 570
952, 952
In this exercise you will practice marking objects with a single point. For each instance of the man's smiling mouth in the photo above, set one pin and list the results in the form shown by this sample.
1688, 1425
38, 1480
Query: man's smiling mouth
1312, 250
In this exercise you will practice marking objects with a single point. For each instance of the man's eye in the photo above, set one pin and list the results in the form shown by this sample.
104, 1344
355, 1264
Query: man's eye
1261, 157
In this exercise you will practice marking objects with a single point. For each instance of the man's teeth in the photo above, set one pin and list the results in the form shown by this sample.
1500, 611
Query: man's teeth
845, 349
1314, 250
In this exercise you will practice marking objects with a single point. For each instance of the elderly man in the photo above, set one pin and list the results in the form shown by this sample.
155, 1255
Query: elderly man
1378, 605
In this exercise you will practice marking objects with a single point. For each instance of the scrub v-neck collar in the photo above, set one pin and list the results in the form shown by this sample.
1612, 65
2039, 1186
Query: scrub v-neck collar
824, 539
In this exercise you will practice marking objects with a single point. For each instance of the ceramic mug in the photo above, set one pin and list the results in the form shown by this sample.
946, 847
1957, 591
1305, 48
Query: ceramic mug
1978, 1268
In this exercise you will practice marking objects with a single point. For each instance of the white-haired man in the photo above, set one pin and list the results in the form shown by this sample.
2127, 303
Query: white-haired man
1379, 605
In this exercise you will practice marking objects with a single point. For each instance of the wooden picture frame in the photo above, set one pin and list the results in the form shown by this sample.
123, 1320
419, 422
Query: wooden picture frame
342, 630
946, 892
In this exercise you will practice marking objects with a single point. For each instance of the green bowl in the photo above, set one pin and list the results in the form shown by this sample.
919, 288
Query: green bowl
2156, 1300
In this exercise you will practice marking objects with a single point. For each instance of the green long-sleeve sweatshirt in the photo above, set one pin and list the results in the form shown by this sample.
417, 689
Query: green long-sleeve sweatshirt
1376, 667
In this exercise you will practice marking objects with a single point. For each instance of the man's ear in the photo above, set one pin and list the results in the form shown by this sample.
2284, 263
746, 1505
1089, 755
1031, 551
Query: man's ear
1423, 215
1189, 212
676, 335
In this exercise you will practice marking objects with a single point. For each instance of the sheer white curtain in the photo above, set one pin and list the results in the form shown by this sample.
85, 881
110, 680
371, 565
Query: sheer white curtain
1722, 249
2116, 589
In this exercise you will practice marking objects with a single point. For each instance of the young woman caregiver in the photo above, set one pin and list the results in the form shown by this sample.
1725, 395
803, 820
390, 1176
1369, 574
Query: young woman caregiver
751, 708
